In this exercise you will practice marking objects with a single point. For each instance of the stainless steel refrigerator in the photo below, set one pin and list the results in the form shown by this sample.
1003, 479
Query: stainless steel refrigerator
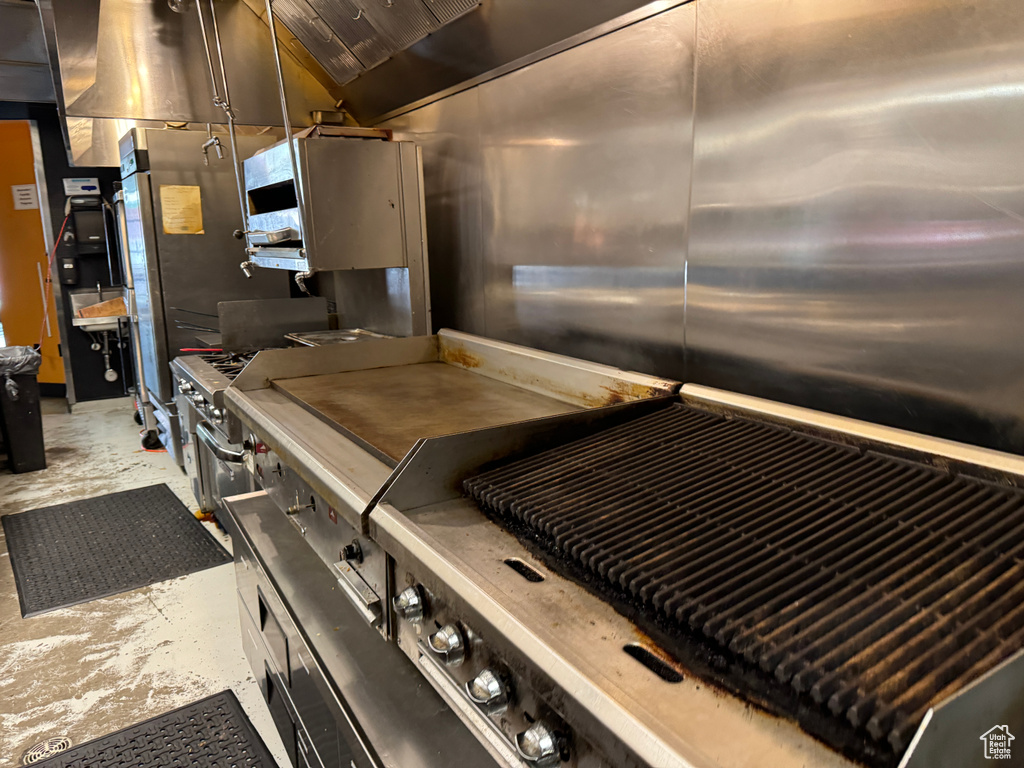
181, 211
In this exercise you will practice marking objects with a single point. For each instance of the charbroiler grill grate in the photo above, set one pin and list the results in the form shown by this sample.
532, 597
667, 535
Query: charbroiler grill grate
228, 364
875, 586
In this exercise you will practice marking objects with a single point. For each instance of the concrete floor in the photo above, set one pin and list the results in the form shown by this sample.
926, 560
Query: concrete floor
86, 671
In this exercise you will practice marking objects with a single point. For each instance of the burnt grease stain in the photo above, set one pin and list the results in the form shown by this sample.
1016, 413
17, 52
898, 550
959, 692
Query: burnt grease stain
460, 357
628, 392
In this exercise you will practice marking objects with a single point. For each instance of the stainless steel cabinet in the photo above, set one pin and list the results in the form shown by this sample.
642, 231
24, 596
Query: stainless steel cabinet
180, 215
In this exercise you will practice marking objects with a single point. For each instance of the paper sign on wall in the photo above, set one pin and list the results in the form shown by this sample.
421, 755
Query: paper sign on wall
182, 209
25, 198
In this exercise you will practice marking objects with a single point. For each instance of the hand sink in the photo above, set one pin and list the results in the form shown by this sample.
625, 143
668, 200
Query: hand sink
108, 318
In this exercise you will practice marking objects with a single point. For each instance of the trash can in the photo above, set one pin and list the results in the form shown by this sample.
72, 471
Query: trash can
21, 420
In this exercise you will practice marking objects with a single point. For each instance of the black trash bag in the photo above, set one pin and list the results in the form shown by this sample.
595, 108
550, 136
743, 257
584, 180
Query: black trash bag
18, 361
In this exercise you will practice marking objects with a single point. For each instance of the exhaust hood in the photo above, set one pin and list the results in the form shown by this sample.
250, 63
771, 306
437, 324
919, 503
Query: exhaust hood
387, 56
349, 37
24, 75
119, 63
399, 54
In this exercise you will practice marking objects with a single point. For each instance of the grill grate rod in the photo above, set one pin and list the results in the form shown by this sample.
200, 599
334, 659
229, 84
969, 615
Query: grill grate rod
873, 586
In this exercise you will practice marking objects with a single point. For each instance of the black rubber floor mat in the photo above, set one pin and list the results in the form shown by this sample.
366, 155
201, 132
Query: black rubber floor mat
212, 732
84, 550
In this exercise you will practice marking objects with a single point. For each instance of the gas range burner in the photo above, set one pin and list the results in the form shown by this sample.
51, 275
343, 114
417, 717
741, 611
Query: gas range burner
228, 364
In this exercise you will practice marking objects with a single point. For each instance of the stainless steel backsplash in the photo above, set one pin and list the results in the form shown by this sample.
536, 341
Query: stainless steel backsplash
821, 203
558, 198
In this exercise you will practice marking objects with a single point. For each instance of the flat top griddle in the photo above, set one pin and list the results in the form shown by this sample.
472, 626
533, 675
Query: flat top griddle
388, 409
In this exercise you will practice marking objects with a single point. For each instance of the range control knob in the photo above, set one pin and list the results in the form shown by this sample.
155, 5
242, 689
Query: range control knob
410, 605
197, 399
539, 745
449, 645
184, 386
217, 416
488, 692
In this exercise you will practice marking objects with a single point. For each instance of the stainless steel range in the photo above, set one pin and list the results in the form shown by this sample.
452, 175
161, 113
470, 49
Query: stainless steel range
590, 570
211, 437
333, 429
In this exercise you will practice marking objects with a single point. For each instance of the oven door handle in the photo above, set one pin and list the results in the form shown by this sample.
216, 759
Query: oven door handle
273, 236
208, 439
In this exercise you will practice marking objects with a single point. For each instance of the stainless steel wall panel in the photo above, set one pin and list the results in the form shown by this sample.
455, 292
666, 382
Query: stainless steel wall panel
92, 141
319, 39
375, 299
558, 195
856, 218
449, 133
587, 196
856, 231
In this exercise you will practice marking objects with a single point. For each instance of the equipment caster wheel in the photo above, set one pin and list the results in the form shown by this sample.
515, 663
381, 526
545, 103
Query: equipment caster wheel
138, 418
151, 441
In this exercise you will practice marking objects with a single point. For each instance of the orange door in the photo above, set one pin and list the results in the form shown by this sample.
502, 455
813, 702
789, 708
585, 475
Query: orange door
22, 248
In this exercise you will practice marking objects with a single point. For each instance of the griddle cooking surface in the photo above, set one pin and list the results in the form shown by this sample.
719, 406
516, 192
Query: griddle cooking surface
389, 409
872, 588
